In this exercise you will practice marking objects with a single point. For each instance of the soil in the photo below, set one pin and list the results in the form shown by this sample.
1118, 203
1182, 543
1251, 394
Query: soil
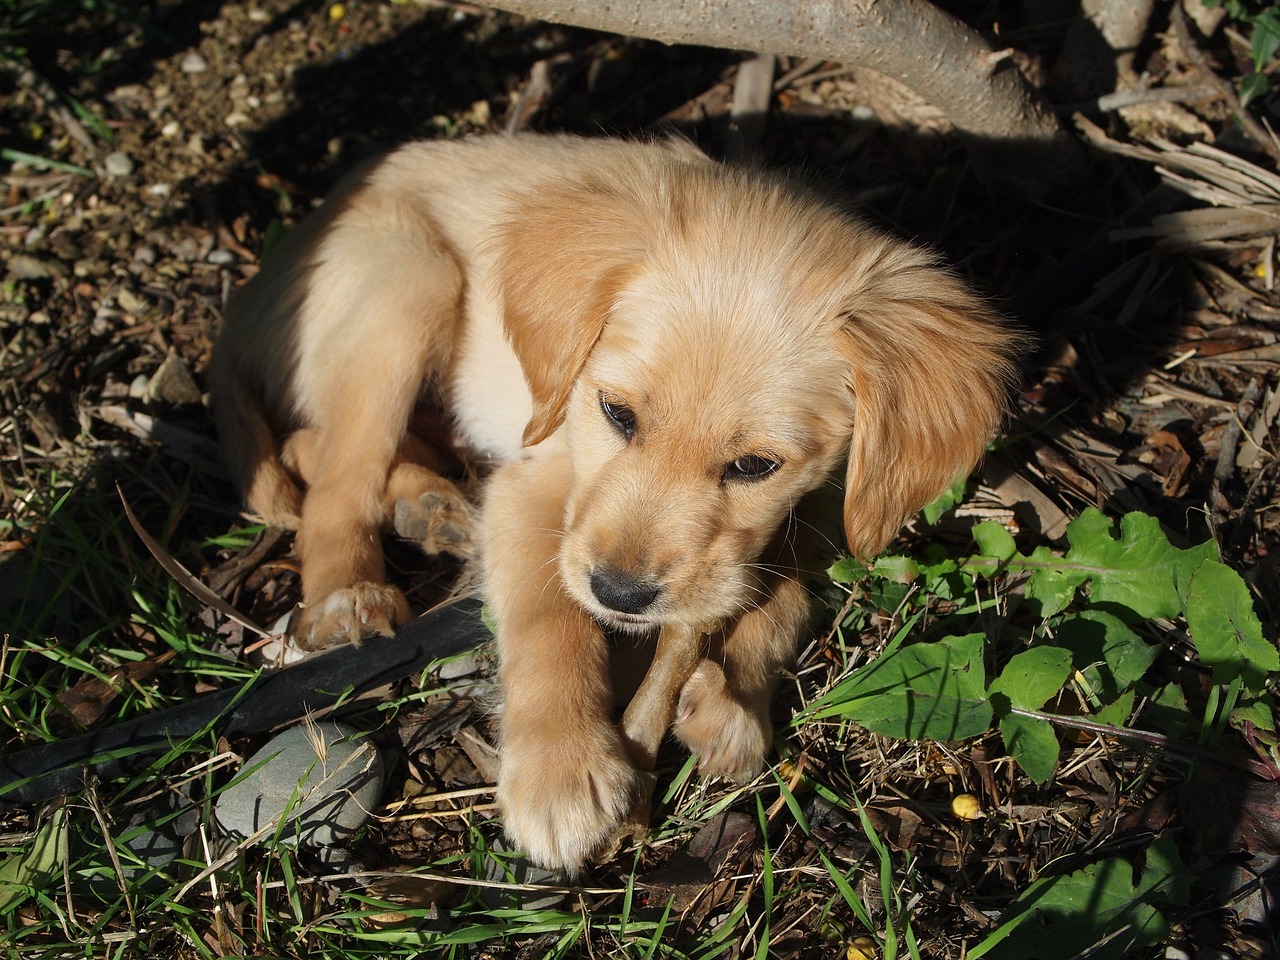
176, 137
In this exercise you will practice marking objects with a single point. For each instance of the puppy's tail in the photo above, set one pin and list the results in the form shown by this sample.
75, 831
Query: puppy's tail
252, 453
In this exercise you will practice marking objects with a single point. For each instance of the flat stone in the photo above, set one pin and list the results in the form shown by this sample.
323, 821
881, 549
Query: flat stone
25, 266
323, 774
118, 164
172, 383
519, 870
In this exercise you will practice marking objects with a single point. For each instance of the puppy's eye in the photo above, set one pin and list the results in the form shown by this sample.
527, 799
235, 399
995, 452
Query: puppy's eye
620, 415
750, 468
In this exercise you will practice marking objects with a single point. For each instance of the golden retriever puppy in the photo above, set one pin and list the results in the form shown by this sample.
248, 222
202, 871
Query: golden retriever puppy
664, 355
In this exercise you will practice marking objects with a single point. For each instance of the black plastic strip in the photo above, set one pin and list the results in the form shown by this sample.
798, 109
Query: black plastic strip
50, 770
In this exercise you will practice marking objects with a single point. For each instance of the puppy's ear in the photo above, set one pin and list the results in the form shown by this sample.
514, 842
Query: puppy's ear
566, 256
930, 369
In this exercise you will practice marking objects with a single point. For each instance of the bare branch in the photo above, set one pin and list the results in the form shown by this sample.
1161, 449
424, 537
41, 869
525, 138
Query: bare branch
1011, 134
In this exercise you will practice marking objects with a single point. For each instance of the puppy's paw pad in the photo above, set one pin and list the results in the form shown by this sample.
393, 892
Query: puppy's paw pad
438, 522
350, 615
563, 800
729, 738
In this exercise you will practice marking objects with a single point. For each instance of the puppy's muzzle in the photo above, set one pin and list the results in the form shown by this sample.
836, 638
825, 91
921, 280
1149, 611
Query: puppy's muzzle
622, 592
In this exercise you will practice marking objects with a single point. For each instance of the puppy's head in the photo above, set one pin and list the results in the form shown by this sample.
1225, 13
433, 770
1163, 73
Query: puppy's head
714, 345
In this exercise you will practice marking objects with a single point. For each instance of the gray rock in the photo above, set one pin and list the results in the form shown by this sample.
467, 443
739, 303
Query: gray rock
321, 773
23, 266
172, 383
118, 164
194, 63
221, 257
520, 870
147, 846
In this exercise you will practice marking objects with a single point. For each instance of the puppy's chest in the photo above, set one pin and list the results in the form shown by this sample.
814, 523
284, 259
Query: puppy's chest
489, 400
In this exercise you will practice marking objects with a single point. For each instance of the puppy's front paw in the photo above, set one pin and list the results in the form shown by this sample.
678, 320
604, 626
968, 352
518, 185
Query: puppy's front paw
563, 798
728, 738
439, 522
350, 615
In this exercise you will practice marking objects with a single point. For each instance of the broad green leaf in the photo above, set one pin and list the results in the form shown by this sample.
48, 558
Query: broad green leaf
1053, 582
1167, 709
949, 498
942, 575
1117, 712
1101, 911
895, 568
847, 570
1033, 676
927, 690
1032, 742
1266, 38
1139, 570
1253, 86
41, 862
1226, 631
994, 541
1110, 656
1260, 714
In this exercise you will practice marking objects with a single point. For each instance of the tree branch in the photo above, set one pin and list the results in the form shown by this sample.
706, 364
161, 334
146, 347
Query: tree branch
1010, 132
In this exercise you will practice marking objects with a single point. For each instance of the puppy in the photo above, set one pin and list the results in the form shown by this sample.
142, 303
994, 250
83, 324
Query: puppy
663, 355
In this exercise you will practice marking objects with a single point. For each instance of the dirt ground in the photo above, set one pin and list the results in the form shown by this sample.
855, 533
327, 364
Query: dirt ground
208, 126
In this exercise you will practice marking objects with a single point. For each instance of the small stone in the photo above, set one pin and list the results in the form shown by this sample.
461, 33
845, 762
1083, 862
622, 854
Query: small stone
25, 266
519, 870
171, 129
145, 254
172, 383
153, 840
463, 665
118, 164
221, 257
130, 301
194, 63
323, 774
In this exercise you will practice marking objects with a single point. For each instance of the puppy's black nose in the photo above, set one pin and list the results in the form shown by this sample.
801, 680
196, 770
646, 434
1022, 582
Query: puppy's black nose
623, 592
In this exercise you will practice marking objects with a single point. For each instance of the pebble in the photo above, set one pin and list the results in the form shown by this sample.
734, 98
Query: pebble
24, 266
118, 164
194, 63
329, 791
463, 665
153, 842
519, 870
172, 383
221, 257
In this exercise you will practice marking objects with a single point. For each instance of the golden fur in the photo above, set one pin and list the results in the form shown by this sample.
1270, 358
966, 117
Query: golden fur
663, 355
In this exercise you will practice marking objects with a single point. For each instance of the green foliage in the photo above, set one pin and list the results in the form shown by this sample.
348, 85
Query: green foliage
1101, 911
1263, 20
1092, 605
932, 691
1086, 628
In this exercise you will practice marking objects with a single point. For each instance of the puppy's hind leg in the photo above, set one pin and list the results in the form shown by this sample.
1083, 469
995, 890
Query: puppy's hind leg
425, 507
